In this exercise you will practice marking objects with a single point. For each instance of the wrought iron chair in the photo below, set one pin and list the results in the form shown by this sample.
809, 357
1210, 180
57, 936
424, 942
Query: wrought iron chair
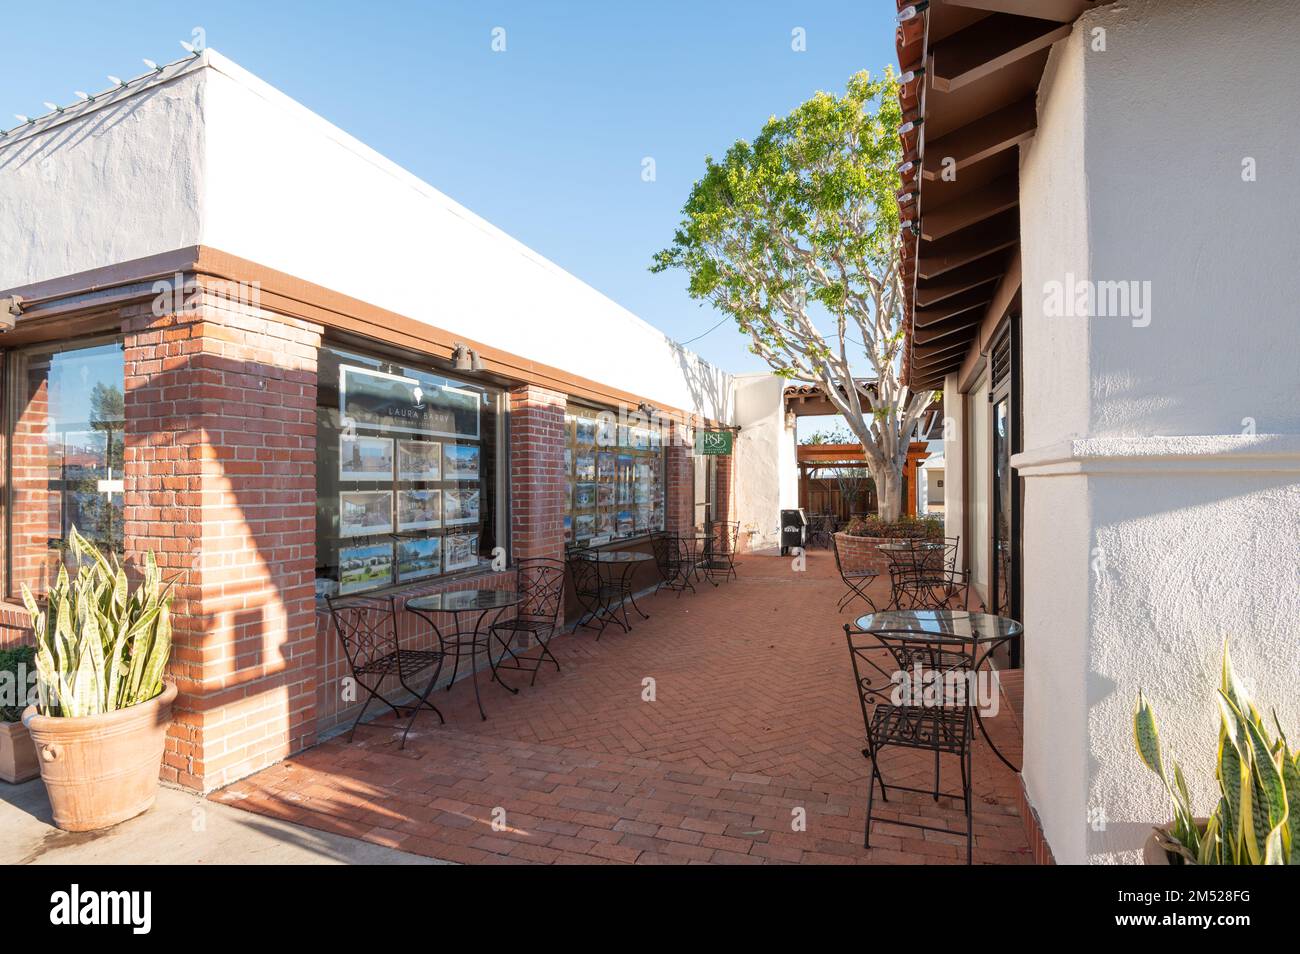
925, 576
821, 530
720, 552
673, 560
596, 595
540, 585
367, 628
856, 580
929, 709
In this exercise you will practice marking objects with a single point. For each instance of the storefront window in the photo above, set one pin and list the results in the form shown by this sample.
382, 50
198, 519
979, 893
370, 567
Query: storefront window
615, 477
406, 476
65, 432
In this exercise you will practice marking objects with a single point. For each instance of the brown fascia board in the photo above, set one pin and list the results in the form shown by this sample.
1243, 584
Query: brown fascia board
1062, 11
987, 46
961, 248
997, 196
1002, 129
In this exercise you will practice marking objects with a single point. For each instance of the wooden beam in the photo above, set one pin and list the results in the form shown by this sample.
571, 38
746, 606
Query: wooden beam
988, 45
964, 324
956, 305
981, 138
1062, 11
987, 269
929, 357
999, 195
962, 248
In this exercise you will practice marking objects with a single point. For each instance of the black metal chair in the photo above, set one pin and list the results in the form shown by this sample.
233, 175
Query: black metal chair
540, 584
930, 708
673, 560
925, 576
821, 530
720, 552
856, 580
596, 595
367, 628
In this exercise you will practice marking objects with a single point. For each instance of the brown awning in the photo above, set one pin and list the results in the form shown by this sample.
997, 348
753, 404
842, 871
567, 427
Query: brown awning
971, 70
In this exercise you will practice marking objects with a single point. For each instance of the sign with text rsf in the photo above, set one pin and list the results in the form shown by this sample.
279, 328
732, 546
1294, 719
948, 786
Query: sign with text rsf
713, 443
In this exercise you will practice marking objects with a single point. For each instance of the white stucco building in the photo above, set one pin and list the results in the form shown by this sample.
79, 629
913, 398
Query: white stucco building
1125, 472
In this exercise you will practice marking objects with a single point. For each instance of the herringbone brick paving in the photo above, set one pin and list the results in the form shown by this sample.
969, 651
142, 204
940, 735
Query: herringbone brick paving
754, 718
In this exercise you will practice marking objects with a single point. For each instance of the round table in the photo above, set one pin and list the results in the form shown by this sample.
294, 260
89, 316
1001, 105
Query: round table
608, 564
463, 641
981, 632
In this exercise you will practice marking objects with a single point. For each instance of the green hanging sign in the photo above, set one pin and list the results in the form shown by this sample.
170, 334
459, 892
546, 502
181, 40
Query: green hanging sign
713, 443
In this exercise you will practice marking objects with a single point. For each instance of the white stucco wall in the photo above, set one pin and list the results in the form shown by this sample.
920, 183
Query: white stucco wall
209, 154
119, 182
760, 458
1153, 527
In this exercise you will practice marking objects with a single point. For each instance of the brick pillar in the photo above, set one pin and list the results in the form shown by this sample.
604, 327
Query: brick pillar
537, 472
724, 509
220, 477
679, 487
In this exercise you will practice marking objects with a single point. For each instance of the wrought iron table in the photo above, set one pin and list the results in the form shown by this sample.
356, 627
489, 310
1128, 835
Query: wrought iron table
982, 633
622, 562
700, 546
462, 641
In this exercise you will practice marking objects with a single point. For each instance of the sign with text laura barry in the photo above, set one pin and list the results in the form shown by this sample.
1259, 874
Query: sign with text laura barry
713, 443
395, 402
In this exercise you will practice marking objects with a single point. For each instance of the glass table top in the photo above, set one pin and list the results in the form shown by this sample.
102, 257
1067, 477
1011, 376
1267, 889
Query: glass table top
953, 624
617, 556
907, 545
456, 601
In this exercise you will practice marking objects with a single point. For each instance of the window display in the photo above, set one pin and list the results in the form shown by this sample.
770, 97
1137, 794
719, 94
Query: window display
614, 474
406, 475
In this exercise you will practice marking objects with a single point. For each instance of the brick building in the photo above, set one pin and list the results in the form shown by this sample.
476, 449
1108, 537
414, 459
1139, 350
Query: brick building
290, 369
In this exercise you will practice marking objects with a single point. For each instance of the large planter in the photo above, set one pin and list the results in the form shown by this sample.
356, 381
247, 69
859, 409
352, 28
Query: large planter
864, 553
17, 754
101, 770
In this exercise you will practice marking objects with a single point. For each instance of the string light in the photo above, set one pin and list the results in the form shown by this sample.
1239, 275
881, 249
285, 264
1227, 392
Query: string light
116, 83
913, 11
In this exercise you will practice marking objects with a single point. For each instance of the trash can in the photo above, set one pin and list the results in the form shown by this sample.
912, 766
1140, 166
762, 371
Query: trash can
794, 530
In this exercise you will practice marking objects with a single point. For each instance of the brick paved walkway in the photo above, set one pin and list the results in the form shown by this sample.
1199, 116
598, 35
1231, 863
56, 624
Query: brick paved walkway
754, 717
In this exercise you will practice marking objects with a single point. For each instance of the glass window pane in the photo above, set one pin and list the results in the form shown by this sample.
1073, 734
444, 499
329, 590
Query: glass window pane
614, 470
407, 463
66, 420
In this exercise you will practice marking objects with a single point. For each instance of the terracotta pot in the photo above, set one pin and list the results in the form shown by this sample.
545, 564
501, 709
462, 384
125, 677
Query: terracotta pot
17, 754
101, 770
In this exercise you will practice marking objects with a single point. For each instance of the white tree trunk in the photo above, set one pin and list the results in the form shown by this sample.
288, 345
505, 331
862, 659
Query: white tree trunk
889, 493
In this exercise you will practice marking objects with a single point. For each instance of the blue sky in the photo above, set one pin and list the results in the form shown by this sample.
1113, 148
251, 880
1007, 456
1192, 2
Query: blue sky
546, 139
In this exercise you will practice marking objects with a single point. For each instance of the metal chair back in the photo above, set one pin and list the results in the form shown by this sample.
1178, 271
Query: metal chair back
367, 628
541, 589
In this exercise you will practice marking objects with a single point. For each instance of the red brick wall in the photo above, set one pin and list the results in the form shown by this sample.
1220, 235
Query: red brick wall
537, 473
34, 516
862, 553
679, 487
220, 484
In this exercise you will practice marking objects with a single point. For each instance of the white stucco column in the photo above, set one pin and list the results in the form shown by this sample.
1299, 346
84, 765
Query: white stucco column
1162, 444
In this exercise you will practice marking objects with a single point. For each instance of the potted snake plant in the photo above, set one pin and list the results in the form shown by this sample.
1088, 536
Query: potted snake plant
103, 706
1257, 818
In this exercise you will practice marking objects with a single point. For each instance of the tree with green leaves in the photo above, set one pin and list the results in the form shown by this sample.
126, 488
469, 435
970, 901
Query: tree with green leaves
799, 230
